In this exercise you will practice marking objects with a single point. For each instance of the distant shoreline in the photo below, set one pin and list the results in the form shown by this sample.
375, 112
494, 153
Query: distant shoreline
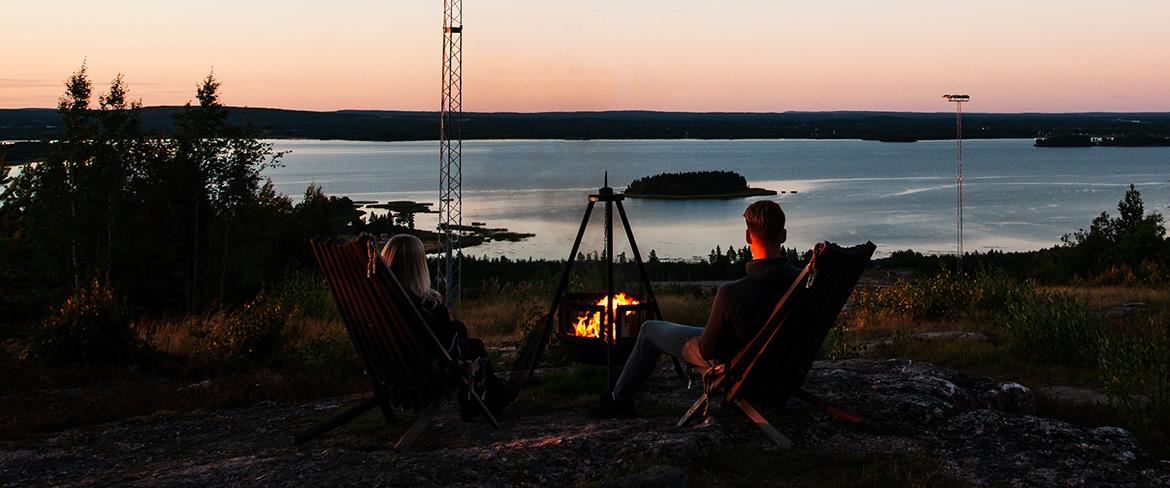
386, 125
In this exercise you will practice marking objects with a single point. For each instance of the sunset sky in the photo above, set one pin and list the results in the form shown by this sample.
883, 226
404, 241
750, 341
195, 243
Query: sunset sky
531, 55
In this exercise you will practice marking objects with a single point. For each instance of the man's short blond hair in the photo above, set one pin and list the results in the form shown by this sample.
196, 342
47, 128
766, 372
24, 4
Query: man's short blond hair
765, 221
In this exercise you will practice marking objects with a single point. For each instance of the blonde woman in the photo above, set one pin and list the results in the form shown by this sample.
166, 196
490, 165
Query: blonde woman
406, 258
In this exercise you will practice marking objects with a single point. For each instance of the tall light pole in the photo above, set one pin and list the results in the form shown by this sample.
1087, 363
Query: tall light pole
959, 100
451, 153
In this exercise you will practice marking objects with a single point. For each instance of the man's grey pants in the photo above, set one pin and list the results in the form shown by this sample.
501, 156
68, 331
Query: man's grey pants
655, 338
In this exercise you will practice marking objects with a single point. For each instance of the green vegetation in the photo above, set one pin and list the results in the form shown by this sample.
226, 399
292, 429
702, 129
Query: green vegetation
1135, 369
175, 223
694, 184
90, 327
1130, 249
943, 295
1038, 337
1051, 328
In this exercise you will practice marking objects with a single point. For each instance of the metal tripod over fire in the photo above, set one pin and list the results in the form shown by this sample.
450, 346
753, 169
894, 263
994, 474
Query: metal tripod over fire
620, 317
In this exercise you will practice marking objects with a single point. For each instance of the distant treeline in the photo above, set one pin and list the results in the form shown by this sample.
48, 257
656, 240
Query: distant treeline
372, 125
1128, 249
483, 274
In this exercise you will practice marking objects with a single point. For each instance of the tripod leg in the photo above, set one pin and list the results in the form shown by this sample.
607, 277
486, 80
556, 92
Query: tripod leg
678, 369
533, 348
638, 257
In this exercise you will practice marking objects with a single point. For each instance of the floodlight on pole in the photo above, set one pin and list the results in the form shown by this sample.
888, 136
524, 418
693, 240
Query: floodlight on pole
958, 100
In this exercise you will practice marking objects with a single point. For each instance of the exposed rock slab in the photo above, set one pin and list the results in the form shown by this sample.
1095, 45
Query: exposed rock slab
938, 336
982, 431
1125, 310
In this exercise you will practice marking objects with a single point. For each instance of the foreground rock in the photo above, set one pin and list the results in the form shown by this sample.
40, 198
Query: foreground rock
981, 431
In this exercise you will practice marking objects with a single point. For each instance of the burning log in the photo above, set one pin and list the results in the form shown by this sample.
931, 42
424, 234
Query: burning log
581, 324
589, 324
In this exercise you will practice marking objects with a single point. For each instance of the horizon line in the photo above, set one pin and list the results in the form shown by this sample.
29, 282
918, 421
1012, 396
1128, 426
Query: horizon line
636, 110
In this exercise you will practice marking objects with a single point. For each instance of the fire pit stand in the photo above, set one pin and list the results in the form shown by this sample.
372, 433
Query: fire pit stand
617, 346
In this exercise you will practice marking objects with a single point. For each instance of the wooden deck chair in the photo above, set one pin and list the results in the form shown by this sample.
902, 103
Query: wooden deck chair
406, 363
775, 362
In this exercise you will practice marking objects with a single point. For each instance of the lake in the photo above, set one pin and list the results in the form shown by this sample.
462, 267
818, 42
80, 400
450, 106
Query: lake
898, 195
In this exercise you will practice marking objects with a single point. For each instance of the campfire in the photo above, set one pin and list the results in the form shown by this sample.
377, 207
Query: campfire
581, 322
589, 324
597, 328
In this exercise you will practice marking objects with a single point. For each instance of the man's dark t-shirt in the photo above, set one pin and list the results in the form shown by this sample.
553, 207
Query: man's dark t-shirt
742, 306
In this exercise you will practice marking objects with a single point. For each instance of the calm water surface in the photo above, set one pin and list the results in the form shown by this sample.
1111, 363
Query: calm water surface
900, 196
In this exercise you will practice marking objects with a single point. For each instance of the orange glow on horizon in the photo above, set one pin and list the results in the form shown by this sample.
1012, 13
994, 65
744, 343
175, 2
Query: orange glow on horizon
525, 55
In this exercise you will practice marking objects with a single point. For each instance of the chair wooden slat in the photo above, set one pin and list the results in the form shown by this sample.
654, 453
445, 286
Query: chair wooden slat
778, 358
406, 363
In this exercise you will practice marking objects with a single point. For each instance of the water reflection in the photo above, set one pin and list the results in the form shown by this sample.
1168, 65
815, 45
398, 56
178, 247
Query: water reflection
897, 195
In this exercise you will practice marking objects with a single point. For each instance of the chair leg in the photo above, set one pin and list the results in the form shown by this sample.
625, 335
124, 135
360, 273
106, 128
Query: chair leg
678, 369
761, 422
338, 420
419, 425
487, 414
833, 410
388, 413
691, 411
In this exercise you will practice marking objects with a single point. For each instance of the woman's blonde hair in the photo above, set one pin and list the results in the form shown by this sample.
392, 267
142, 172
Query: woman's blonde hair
405, 257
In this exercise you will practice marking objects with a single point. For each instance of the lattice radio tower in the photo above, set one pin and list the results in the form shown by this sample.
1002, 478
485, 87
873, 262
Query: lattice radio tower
447, 275
959, 100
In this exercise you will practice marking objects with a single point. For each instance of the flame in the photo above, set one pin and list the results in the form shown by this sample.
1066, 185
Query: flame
589, 325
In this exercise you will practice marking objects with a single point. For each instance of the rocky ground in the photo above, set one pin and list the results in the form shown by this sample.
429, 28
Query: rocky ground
980, 432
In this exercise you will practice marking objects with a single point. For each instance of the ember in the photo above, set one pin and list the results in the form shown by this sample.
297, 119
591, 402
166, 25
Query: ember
589, 324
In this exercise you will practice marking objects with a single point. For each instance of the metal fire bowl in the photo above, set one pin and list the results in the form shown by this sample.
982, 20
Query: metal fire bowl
592, 350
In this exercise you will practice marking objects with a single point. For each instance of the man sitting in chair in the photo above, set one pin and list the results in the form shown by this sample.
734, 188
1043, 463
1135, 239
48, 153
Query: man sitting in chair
741, 307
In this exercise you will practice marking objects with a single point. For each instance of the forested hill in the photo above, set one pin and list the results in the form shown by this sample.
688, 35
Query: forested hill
374, 125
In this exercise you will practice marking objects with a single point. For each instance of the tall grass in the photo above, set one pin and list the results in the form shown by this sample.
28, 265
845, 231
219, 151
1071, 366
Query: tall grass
1052, 328
1135, 369
499, 312
944, 295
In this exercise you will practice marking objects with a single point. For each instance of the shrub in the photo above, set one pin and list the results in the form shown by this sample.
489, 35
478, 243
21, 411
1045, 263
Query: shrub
837, 345
256, 332
945, 295
1052, 328
90, 327
897, 299
328, 351
993, 288
304, 293
1133, 367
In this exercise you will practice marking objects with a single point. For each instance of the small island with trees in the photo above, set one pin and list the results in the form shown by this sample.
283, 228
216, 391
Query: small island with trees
694, 184
1087, 140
